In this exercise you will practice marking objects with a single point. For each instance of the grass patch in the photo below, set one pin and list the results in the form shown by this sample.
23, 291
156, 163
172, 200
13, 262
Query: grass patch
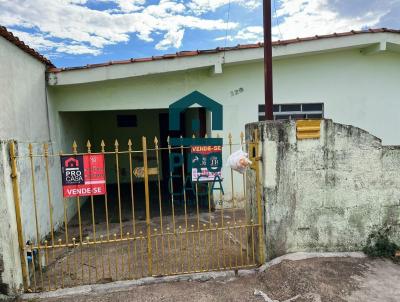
379, 244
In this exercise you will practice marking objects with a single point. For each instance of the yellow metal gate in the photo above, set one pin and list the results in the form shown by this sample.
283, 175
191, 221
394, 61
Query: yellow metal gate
139, 228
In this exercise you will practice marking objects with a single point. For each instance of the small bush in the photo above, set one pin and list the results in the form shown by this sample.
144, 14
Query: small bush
379, 244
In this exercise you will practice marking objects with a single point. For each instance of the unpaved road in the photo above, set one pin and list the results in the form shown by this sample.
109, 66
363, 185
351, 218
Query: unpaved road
316, 279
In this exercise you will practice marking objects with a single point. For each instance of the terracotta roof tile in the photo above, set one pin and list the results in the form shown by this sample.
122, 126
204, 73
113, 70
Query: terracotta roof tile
21, 45
238, 47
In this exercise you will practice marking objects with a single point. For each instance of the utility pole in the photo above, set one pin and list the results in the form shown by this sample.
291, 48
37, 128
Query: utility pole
268, 93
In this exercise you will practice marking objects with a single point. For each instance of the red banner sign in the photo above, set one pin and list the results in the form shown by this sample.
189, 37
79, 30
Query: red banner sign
83, 175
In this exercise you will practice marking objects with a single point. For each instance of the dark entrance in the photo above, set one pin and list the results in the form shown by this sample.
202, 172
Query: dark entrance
186, 130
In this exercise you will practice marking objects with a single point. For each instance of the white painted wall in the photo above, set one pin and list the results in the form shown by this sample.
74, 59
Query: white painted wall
23, 113
357, 89
23, 117
159, 92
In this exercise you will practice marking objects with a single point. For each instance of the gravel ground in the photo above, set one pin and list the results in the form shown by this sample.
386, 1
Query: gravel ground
316, 279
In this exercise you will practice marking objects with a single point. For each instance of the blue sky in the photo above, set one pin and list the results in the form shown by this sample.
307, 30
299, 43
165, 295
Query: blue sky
79, 32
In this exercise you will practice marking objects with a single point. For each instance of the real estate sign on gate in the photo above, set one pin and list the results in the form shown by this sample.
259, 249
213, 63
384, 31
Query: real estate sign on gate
83, 175
206, 163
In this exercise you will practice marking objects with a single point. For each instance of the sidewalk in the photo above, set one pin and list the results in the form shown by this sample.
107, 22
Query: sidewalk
315, 279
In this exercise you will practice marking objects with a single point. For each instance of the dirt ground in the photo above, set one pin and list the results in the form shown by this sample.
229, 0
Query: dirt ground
316, 279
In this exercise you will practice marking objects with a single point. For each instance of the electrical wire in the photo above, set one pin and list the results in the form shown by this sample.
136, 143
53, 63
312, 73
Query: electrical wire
227, 28
277, 21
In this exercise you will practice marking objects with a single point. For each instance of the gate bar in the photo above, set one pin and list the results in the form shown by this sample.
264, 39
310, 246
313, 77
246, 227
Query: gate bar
146, 190
14, 177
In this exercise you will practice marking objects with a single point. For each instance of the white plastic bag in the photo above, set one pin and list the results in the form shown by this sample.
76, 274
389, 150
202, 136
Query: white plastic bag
239, 161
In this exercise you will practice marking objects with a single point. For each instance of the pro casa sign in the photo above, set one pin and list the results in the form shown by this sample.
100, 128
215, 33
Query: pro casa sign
83, 175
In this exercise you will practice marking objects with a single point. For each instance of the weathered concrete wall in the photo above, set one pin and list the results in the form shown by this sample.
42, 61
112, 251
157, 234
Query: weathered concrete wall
3, 286
326, 194
10, 275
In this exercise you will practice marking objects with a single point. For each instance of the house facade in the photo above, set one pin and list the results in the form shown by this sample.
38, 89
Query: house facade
351, 78
351, 75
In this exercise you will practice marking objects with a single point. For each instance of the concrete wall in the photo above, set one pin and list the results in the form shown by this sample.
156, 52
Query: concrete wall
326, 194
76, 127
41, 191
9, 248
23, 117
11, 274
23, 95
3, 286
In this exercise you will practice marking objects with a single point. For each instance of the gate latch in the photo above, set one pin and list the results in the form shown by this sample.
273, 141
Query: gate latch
253, 155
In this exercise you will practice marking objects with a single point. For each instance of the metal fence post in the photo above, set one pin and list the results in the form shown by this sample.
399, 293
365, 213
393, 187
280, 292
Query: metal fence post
147, 199
15, 185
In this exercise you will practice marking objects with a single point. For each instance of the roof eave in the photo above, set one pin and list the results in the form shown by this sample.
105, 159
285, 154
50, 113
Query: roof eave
238, 55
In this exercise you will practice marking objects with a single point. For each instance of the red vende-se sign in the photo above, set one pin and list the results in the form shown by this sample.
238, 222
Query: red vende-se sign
83, 175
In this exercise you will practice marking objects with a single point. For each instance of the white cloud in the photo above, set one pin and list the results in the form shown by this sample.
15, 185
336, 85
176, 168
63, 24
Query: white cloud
91, 29
36, 41
70, 26
250, 34
77, 49
174, 40
130, 5
41, 43
124, 6
165, 8
203, 6
302, 18
311, 17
